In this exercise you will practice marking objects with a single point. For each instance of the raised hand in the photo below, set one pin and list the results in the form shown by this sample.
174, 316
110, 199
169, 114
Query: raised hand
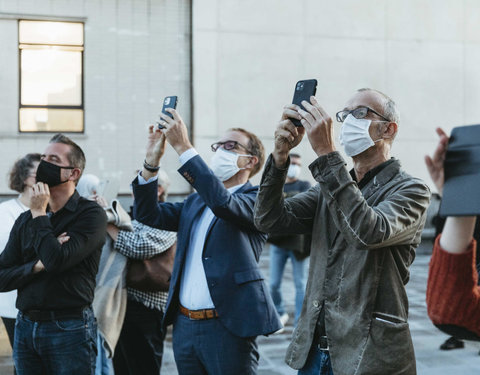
287, 135
39, 198
435, 163
175, 131
318, 126
155, 146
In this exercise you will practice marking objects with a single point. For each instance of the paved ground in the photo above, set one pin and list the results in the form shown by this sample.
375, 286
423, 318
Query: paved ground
426, 338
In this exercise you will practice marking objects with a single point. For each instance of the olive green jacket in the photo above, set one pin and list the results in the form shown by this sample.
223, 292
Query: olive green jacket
363, 242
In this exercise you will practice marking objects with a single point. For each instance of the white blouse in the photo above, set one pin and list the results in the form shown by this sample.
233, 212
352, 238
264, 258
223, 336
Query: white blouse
9, 212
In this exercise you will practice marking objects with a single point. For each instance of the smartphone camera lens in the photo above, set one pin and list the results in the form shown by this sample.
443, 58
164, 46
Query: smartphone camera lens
167, 101
300, 86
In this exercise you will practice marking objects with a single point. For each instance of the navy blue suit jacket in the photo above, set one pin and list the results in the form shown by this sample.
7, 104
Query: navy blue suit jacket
231, 252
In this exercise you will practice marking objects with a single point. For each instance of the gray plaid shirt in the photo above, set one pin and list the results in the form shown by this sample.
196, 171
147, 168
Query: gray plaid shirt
143, 243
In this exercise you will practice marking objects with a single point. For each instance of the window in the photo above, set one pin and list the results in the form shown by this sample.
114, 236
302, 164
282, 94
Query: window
51, 76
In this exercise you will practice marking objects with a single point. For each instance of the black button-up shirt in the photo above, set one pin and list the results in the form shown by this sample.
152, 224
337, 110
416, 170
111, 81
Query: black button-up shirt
70, 269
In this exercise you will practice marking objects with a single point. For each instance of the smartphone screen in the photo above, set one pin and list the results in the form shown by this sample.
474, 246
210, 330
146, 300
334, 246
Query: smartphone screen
168, 102
303, 91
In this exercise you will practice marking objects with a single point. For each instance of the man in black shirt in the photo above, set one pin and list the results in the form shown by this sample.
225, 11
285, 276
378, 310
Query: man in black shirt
52, 258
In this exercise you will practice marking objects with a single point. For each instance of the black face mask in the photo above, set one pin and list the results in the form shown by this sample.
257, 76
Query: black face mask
50, 174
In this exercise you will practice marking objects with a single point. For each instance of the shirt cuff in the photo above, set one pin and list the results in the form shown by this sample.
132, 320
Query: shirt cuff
187, 155
142, 181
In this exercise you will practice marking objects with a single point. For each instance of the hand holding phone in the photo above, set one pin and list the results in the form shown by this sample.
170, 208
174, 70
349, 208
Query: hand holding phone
303, 91
168, 102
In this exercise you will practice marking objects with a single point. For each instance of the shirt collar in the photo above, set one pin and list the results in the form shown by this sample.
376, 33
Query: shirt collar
233, 189
72, 203
371, 173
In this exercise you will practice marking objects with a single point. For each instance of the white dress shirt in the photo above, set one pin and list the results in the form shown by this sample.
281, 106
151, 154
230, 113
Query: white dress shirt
194, 292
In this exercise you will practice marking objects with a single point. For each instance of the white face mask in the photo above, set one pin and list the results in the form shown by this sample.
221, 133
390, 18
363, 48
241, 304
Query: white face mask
224, 164
293, 171
354, 135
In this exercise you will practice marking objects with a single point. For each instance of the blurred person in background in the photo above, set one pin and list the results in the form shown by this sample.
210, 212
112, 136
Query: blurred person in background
21, 179
453, 294
140, 347
295, 247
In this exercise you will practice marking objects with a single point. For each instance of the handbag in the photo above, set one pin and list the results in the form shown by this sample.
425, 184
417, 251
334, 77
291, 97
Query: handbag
153, 274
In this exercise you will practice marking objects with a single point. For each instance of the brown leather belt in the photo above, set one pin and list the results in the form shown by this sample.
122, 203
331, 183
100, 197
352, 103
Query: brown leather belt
199, 314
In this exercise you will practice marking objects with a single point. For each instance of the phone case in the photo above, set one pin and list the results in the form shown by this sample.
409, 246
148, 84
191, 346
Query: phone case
303, 91
168, 102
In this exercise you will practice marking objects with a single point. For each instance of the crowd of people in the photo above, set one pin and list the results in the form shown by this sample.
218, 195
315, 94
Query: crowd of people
69, 255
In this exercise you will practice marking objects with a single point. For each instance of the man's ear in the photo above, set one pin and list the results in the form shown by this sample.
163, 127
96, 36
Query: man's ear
75, 175
253, 160
390, 130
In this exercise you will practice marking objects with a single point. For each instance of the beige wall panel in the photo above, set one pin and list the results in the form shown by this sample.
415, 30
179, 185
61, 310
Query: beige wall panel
265, 16
206, 83
205, 14
346, 18
439, 20
256, 78
472, 84
426, 80
472, 21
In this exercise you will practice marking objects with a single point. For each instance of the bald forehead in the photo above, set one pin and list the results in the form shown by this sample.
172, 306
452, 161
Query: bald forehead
367, 98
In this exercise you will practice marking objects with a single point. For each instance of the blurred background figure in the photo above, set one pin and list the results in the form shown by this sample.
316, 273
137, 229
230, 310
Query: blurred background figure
453, 293
295, 247
21, 179
88, 185
140, 346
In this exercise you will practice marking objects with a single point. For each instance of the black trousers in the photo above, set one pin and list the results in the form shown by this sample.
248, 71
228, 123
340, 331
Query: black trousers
140, 347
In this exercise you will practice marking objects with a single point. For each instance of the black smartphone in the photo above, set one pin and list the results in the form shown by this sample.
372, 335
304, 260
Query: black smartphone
303, 91
168, 102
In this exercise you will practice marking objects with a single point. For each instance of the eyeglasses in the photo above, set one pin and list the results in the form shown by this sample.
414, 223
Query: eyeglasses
358, 113
228, 145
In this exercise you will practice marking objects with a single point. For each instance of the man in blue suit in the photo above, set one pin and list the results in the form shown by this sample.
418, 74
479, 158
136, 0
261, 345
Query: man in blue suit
218, 301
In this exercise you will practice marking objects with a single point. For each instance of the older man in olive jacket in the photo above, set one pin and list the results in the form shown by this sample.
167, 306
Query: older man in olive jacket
366, 225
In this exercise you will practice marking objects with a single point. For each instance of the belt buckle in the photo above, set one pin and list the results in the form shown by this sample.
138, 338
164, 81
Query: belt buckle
190, 314
323, 344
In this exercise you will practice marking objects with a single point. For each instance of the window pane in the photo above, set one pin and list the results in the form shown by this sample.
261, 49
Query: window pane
51, 120
51, 76
46, 32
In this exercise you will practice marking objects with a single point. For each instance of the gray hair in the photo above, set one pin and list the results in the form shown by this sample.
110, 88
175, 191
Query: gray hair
390, 110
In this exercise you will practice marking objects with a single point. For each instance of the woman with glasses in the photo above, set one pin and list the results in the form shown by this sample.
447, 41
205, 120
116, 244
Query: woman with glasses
21, 179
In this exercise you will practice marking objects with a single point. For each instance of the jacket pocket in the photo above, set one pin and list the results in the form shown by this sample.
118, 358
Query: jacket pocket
387, 318
389, 347
246, 276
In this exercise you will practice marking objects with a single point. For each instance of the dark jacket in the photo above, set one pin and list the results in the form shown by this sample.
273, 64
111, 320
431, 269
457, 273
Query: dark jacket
363, 242
231, 252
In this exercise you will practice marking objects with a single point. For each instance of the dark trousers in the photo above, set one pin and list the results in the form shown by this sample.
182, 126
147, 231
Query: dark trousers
56, 347
204, 347
140, 347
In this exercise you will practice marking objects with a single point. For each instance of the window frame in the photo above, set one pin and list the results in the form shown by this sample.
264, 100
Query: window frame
82, 83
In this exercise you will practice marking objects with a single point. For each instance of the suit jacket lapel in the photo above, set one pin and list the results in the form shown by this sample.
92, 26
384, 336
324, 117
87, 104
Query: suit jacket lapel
245, 186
